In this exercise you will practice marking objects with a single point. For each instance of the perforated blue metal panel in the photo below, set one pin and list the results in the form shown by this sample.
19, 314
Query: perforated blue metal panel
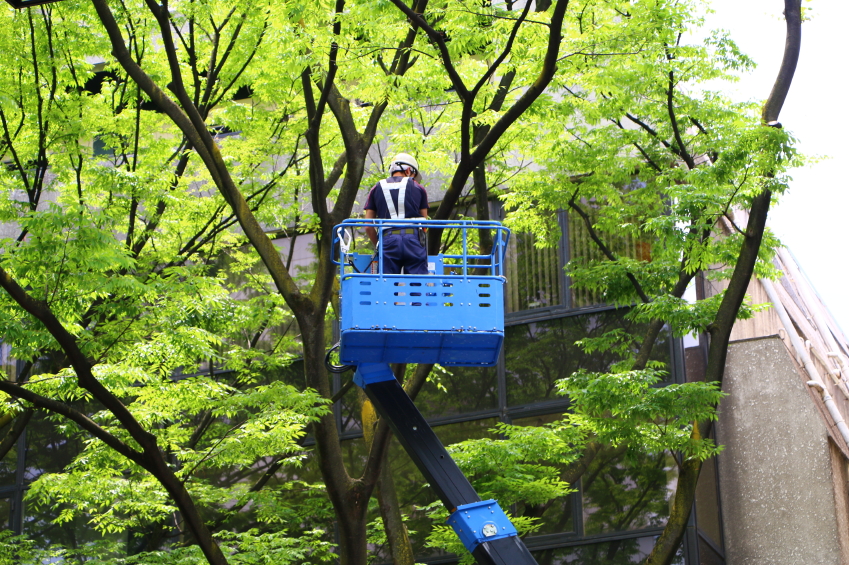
450, 320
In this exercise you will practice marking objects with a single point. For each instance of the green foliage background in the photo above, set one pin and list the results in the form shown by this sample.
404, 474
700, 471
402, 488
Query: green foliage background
111, 220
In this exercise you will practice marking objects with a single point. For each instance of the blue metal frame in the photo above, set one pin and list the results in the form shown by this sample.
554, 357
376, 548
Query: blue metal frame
495, 259
451, 319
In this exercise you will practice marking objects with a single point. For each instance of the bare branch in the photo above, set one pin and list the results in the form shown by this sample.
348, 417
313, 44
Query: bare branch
15, 432
605, 249
436, 37
670, 107
194, 128
531, 93
506, 51
792, 47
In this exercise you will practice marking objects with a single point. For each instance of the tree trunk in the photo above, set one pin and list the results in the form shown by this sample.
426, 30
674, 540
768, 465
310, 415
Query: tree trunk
720, 331
390, 511
11, 437
482, 207
349, 510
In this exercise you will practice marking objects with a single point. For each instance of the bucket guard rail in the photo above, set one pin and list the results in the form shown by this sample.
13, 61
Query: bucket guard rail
458, 264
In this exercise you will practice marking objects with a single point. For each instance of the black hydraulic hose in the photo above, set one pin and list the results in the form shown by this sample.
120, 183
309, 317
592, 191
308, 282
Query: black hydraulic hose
336, 368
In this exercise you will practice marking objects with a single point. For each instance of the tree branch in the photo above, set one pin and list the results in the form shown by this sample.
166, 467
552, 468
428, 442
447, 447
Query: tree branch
792, 47
203, 143
670, 108
11, 437
436, 37
605, 249
720, 330
151, 458
75, 416
506, 51
533, 91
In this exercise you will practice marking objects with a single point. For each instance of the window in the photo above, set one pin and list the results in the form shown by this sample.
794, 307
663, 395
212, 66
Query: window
623, 494
536, 277
48, 449
39, 526
621, 499
459, 390
7, 364
414, 493
9, 464
538, 354
621, 502
5, 513
616, 552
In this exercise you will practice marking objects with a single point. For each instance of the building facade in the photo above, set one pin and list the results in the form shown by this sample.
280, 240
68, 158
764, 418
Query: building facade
777, 494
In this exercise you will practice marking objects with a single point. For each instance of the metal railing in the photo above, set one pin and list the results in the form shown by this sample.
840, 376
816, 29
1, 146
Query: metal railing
463, 264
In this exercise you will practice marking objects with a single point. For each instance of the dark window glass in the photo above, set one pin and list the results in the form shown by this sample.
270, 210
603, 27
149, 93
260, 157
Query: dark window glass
475, 429
555, 516
448, 392
623, 493
539, 354
694, 363
286, 500
413, 495
534, 275
351, 406
707, 504
287, 491
39, 526
355, 453
707, 554
619, 552
292, 374
9, 464
459, 390
48, 449
537, 420
99, 147
5, 513
227, 476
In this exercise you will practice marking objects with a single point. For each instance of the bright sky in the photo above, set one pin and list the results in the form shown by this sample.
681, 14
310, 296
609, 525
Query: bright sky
812, 219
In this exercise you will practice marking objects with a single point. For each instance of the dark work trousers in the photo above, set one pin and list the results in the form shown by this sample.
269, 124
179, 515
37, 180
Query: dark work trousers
403, 250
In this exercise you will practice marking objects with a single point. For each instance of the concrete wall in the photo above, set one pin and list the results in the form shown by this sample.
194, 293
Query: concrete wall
776, 476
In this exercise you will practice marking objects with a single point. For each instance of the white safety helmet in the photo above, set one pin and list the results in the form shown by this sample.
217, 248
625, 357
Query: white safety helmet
402, 160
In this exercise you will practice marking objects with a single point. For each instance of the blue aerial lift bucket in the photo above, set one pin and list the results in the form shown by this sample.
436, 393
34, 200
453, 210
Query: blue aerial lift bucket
453, 316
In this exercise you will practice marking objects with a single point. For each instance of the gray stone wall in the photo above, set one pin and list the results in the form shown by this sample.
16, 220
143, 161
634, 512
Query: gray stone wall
776, 482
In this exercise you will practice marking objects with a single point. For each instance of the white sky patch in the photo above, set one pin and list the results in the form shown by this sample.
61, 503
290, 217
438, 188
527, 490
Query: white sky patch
813, 217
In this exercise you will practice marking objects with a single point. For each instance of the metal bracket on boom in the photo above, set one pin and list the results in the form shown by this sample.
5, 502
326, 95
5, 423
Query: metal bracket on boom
478, 522
369, 373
